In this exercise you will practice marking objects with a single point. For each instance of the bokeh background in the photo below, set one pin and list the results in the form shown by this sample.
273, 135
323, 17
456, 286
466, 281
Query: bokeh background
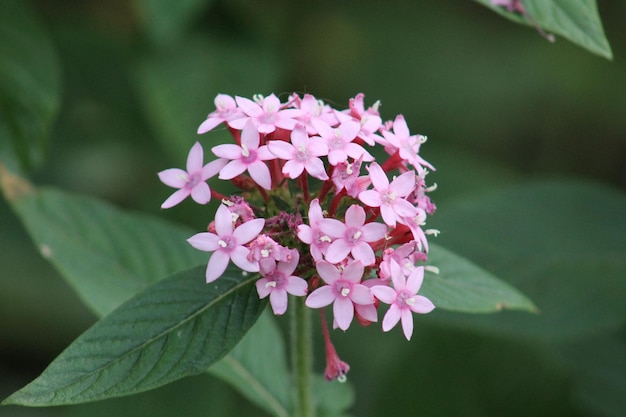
529, 141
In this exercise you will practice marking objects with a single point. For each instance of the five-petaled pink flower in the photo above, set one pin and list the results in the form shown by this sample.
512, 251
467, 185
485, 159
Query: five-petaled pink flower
344, 289
278, 280
403, 298
390, 197
407, 145
249, 156
226, 110
312, 235
266, 114
227, 244
301, 154
340, 141
193, 181
353, 236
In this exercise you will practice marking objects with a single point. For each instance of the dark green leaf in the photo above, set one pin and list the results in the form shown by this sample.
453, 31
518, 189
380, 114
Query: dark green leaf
334, 397
576, 20
177, 327
164, 21
29, 86
463, 286
105, 254
257, 367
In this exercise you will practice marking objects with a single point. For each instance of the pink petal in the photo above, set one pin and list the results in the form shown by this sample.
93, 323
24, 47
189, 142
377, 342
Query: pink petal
209, 124
391, 318
385, 294
404, 184
407, 323
250, 137
175, 198
343, 312
201, 193
212, 168
362, 295
371, 198
315, 212
248, 106
318, 147
174, 177
296, 286
422, 305
262, 288
223, 221
227, 150
321, 297
357, 151
315, 167
373, 231
281, 149
249, 230
388, 215
195, 159
323, 128
397, 276
362, 252
368, 312
305, 233
349, 130
355, 216
260, 173
400, 128
337, 251
239, 257
404, 208
353, 272
328, 272
224, 101
204, 241
216, 266
299, 137
264, 154
232, 169
414, 282
336, 156
293, 168
378, 177
287, 268
271, 104
331, 227
278, 300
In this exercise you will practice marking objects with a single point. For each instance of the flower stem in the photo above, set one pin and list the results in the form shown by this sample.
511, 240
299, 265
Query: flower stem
301, 357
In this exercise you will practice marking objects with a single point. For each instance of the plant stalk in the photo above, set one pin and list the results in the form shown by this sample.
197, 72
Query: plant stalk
301, 357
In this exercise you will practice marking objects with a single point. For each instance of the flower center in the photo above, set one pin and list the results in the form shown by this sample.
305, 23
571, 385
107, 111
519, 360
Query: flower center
405, 299
352, 235
192, 180
388, 197
342, 288
303, 154
227, 243
248, 156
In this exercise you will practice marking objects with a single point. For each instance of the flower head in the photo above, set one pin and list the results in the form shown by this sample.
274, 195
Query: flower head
278, 281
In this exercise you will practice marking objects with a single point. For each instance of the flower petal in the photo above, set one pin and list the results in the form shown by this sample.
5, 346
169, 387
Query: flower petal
321, 297
370, 198
232, 169
315, 167
250, 137
278, 300
223, 221
353, 272
422, 305
407, 323
392, 316
227, 150
260, 173
296, 286
262, 288
204, 241
362, 295
212, 168
414, 282
174, 177
373, 231
384, 293
343, 312
404, 184
201, 193
175, 198
378, 177
363, 252
281, 149
239, 257
337, 251
249, 230
355, 216
216, 266
328, 272
195, 159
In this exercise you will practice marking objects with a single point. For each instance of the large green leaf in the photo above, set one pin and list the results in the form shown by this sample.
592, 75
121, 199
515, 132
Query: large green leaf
576, 20
177, 327
29, 86
463, 286
257, 367
105, 254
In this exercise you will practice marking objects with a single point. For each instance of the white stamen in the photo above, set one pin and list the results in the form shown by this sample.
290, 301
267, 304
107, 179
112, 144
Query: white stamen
265, 253
432, 269
325, 239
258, 98
270, 284
345, 292
222, 243
227, 203
422, 138
244, 151
357, 235
349, 169
433, 232
410, 301
431, 188
342, 378
376, 105
234, 216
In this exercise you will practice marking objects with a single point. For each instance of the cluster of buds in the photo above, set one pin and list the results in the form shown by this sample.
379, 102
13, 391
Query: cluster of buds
318, 215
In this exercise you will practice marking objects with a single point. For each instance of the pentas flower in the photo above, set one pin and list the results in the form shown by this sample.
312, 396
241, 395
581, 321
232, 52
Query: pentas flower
344, 289
227, 243
403, 299
193, 181
315, 215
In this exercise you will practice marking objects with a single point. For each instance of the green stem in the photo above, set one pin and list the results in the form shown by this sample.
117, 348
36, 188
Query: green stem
301, 357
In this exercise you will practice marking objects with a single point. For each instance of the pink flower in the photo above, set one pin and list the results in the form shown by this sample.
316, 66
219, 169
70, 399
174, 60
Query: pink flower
312, 235
226, 110
340, 142
313, 110
352, 237
407, 145
277, 282
343, 290
266, 114
403, 299
191, 182
227, 244
301, 154
249, 156
390, 197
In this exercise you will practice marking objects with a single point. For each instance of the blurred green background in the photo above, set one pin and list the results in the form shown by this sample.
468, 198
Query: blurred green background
529, 141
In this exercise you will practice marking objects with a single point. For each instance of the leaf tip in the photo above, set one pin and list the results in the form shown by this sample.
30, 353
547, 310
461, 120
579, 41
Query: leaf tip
13, 186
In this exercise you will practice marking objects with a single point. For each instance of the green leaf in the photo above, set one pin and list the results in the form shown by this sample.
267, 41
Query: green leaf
463, 286
165, 21
257, 367
177, 85
334, 397
177, 327
29, 86
576, 20
106, 255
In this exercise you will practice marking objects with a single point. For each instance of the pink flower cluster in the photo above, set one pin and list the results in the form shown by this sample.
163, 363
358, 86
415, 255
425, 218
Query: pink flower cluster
333, 205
